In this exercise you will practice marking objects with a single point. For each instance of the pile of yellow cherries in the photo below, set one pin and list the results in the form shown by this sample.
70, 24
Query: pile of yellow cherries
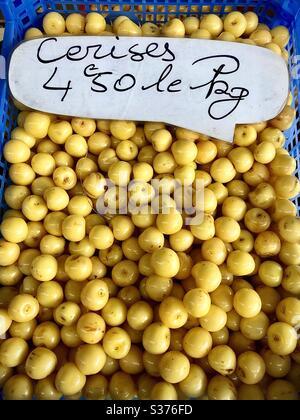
141, 305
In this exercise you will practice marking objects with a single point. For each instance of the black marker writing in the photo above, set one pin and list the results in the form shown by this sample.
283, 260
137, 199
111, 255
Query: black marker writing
158, 85
211, 75
89, 72
126, 78
66, 89
221, 87
97, 52
39, 56
213, 109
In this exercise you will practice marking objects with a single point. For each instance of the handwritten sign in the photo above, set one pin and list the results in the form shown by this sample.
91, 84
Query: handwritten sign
206, 86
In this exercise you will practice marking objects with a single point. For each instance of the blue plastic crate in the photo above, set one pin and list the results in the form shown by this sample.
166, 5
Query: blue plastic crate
21, 14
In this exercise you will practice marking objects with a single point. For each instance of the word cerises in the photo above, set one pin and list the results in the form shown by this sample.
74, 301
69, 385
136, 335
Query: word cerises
103, 80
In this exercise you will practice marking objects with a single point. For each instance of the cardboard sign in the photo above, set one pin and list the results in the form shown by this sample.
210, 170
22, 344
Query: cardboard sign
205, 86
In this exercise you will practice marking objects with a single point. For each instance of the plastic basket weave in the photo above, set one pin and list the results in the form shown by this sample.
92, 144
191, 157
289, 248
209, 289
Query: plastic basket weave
21, 14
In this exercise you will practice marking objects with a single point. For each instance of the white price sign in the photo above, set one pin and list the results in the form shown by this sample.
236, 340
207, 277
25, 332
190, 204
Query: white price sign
206, 86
